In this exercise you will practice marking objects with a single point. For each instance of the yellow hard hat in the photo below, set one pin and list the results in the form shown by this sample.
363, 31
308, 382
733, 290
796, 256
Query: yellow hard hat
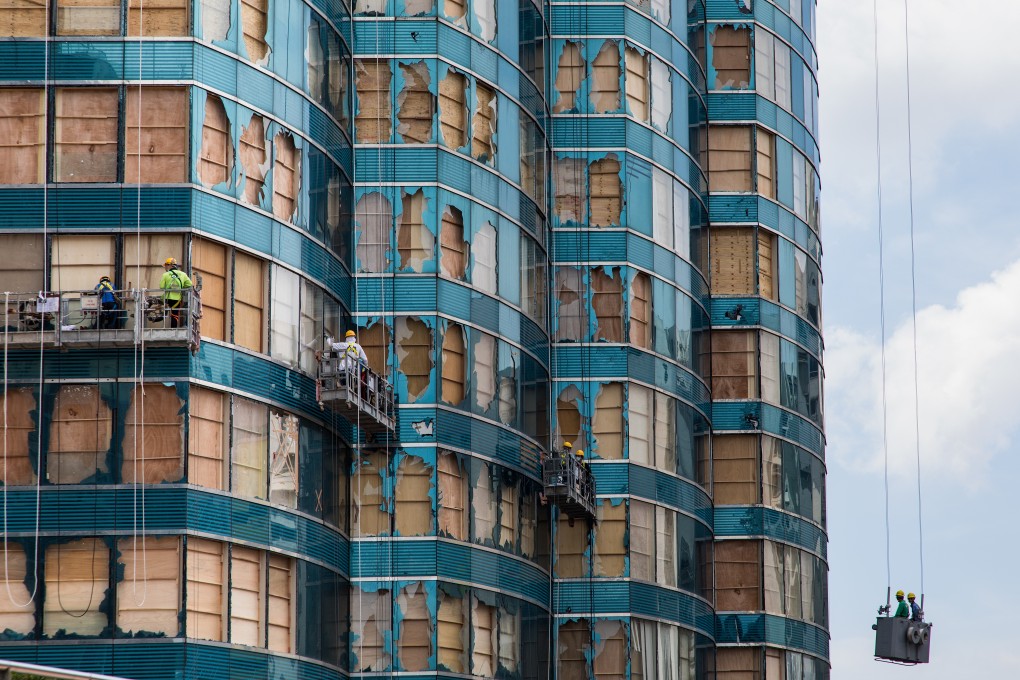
169, 261
580, 453
899, 593
349, 334
568, 445
104, 277
910, 596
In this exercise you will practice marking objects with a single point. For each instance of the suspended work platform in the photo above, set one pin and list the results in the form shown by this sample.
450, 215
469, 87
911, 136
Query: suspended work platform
356, 392
902, 640
569, 483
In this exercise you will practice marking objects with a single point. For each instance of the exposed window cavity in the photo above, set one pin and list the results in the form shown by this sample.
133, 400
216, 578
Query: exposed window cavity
375, 340
607, 303
733, 365
415, 242
569, 74
508, 360
216, 159
14, 591
207, 437
371, 623
85, 137
286, 176
661, 11
664, 432
568, 415
454, 364
77, 582
453, 110
413, 497
605, 85
639, 423
731, 56
80, 431
738, 571
484, 372
485, 13
606, 192
569, 178
254, 160
483, 125
373, 123
23, 135
484, 637
254, 24
249, 444
572, 313
283, 458
18, 403
156, 135
215, 19
315, 59
453, 632
249, 301
373, 222
160, 456
416, 105
414, 636
733, 258
641, 310
285, 312
607, 428
206, 587
610, 649
769, 365
611, 538
415, 355
483, 259
453, 494
509, 499
456, 11
156, 563
636, 83
509, 639
369, 505
454, 249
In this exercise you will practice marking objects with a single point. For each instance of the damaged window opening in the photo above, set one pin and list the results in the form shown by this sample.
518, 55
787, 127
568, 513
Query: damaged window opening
607, 303
413, 502
568, 415
254, 24
611, 538
160, 456
605, 83
453, 494
207, 436
18, 403
731, 56
733, 256
453, 247
414, 641
453, 111
80, 432
484, 371
636, 83
456, 12
508, 360
483, 503
606, 192
156, 562
415, 355
250, 444
77, 583
483, 259
286, 176
373, 222
569, 178
249, 301
254, 160
733, 365
767, 247
569, 75
369, 504
454, 365
485, 13
509, 639
664, 432
215, 19
415, 104
156, 135
610, 659
572, 314
375, 340
769, 365
729, 148
23, 135
316, 60
283, 458
573, 644
210, 260
371, 623
281, 602
607, 428
508, 513
639, 424
23, 19
484, 635
373, 123
168, 18
14, 591
642, 537
452, 622
662, 94
415, 241
641, 310
738, 571
418, 7
735, 460
571, 548
206, 586
216, 159
483, 125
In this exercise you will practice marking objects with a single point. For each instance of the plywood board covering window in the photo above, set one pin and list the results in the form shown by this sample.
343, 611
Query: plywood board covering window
739, 663
765, 163
210, 262
371, 623
454, 249
80, 429
484, 638
23, 19
206, 589
149, 595
249, 301
286, 175
607, 427
413, 497
508, 511
610, 650
77, 262
373, 219
767, 287
88, 17
247, 620
738, 575
453, 110
415, 354
207, 437
733, 365
254, 160
216, 155
454, 364
452, 621
249, 448
156, 143
414, 645
571, 544
416, 105
77, 579
375, 340
484, 370
729, 149
14, 593
483, 125
415, 242
144, 255
731, 56
733, 270
17, 403
606, 192
611, 539
453, 496
153, 436
22, 130
569, 75
570, 187
636, 83
22, 268
369, 507
735, 463
158, 17
641, 310
373, 123
573, 640
605, 84
281, 603
254, 24
85, 134
607, 302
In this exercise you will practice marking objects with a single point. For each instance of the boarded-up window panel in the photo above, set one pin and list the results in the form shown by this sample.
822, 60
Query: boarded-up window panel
452, 497
452, 622
216, 156
77, 579
640, 408
775, 664
153, 436
733, 365
371, 623
414, 355
286, 175
77, 262
483, 504
453, 111
22, 269
767, 265
210, 262
569, 74
455, 11
641, 310
731, 56
85, 139
415, 242
253, 157
149, 595
483, 633
610, 650
249, 300
454, 365
571, 544
636, 83
22, 125
254, 23
161, 135
739, 663
607, 301
605, 83
611, 539
373, 220
572, 307
18, 405
765, 163
413, 500
144, 255
454, 249
206, 437
369, 507
374, 121
281, 604
249, 448
569, 180
23, 19
375, 340
738, 576
206, 584
414, 644
729, 151
573, 639
158, 17
88, 17
14, 593
608, 426
733, 270
483, 125
568, 416
606, 192
246, 593
80, 431
735, 463
416, 105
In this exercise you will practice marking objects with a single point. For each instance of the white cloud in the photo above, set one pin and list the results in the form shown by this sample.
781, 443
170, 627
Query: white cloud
969, 367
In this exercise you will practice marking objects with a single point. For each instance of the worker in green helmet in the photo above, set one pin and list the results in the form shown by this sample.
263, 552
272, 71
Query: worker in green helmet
902, 610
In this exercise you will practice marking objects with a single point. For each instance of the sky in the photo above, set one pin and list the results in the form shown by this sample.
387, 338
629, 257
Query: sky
966, 140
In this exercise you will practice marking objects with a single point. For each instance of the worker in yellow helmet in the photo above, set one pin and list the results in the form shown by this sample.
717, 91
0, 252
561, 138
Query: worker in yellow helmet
915, 609
349, 351
901, 609
174, 283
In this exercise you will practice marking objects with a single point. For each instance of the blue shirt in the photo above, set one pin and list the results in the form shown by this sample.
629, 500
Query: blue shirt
915, 611
106, 292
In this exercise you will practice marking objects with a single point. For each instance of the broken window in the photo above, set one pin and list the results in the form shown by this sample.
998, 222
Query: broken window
283, 458
415, 355
286, 175
216, 156
254, 24
571, 545
569, 178
156, 135
249, 300
508, 511
605, 82
215, 19
735, 460
23, 19
662, 94
77, 581
313, 328
285, 312
765, 63
281, 603
607, 428
206, 585
451, 621
148, 596
454, 364
15, 615
767, 287
664, 431
662, 207
414, 637
413, 497
733, 270
456, 11
375, 340
254, 160
415, 104
483, 259
610, 660
733, 365
415, 242
369, 505
639, 425
642, 540
418, 7
153, 436
569, 74
606, 192
483, 503
18, 403
373, 123
85, 137
207, 437
88, 17
485, 13
371, 624
316, 60
484, 637
373, 220
210, 262
573, 644
665, 546
249, 447
771, 472
509, 638
636, 83
529, 520
483, 124
484, 371
22, 128
640, 310
731, 56
370, 7
729, 157
168, 18
568, 415
643, 636
80, 430
509, 358
246, 619
611, 538
572, 313
769, 365
453, 110
454, 248
737, 575
607, 302
453, 494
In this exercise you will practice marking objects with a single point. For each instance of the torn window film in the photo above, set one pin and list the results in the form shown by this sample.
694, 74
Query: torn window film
314, 56
415, 355
485, 13
373, 123
610, 660
453, 495
23, 19
662, 207
643, 635
453, 634
529, 520
484, 638
573, 644
84, 17
80, 429
765, 144
483, 259
568, 415
369, 504
639, 424
733, 270
14, 591
611, 539
606, 192
509, 358
636, 83
737, 575
484, 371
729, 149
371, 623
418, 7
572, 313
254, 160
570, 181
772, 472
414, 640
207, 436
281, 601
254, 25
156, 135
206, 586
216, 155
370, 7
286, 176
249, 448
18, 403
416, 105
662, 94
605, 87
85, 147
153, 436
483, 503
215, 19
454, 364
415, 242
569, 75
413, 497
607, 427
454, 248
453, 111
483, 125
283, 458
373, 224
249, 301
456, 11
210, 260
642, 540
148, 596
310, 337
640, 310
607, 303
77, 581
22, 129
731, 56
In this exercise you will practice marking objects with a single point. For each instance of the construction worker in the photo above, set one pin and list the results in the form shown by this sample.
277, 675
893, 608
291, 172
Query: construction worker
580, 457
915, 609
565, 453
107, 303
901, 609
174, 283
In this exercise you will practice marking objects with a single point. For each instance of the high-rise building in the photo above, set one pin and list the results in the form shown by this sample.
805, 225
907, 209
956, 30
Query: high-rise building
547, 221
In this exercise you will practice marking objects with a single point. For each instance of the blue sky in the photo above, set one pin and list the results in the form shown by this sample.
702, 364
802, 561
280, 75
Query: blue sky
966, 135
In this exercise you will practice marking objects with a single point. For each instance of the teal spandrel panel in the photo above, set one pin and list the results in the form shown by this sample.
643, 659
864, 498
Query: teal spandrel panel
22, 60
771, 629
736, 416
160, 60
601, 596
739, 521
89, 364
732, 106
665, 489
